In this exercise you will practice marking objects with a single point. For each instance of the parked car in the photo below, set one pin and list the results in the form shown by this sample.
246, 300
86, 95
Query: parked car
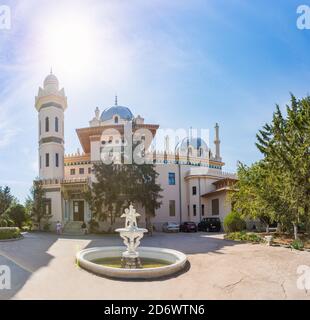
171, 227
210, 224
188, 227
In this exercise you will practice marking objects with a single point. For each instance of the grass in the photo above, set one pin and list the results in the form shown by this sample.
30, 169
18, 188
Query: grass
146, 262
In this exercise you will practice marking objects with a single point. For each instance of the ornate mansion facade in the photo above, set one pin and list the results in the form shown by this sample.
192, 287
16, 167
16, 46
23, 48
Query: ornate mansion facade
194, 185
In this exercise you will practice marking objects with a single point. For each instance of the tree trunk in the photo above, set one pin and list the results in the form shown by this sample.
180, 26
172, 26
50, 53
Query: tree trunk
267, 228
295, 231
279, 228
148, 224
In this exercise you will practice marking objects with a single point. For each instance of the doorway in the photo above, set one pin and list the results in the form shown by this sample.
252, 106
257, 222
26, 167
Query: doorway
78, 210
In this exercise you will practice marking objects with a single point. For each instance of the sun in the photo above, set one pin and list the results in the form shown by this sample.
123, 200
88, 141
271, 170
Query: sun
69, 44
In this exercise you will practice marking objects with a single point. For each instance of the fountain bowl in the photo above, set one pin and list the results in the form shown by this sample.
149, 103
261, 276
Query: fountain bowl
176, 262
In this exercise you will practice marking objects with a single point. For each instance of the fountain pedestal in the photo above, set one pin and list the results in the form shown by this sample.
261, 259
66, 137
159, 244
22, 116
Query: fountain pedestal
131, 235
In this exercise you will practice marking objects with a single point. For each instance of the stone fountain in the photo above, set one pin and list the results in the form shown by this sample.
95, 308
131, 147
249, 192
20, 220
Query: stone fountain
131, 235
129, 261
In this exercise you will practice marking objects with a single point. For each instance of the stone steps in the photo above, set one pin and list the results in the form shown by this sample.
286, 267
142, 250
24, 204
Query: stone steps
73, 228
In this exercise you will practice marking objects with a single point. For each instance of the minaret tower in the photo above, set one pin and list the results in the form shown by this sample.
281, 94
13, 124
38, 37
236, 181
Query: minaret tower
217, 143
51, 104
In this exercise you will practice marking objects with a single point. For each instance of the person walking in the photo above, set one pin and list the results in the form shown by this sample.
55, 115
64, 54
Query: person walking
58, 227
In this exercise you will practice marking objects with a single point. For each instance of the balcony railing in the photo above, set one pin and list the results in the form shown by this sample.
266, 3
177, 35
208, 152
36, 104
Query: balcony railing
46, 182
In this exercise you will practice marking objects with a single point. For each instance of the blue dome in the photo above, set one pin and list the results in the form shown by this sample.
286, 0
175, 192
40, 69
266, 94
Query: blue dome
123, 112
195, 143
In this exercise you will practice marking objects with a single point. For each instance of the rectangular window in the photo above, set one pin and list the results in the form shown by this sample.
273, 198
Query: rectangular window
203, 210
48, 206
89, 170
81, 171
47, 160
57, 160
172, 208
194, 210
194, 191
171, 178
215, 207
72, 172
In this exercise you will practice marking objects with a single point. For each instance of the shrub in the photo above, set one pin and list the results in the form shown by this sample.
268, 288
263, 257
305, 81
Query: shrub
297, 244
9, 233
26, 228
233, 222
17, 214
244, 236
46, 227
93, 226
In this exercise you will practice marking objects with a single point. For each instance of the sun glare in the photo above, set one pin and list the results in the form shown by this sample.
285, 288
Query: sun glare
69, 45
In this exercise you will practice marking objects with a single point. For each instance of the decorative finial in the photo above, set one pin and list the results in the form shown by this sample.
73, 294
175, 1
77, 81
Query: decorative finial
116, 99
51, 70
191, 133
97, 112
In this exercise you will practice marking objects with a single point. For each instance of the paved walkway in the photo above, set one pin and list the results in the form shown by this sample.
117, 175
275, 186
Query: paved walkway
43, 267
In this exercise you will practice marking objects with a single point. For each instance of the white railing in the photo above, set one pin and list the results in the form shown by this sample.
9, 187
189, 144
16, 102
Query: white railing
64, 181
210, 171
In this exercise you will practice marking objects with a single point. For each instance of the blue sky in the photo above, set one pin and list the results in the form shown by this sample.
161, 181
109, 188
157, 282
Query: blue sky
177, 63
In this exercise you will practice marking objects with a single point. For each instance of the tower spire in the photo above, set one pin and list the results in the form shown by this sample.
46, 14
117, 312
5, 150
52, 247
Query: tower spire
116, 99
217, 142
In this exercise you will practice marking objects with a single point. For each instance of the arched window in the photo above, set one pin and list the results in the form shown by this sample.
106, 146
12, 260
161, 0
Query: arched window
56, 124
200, 152
116, 119
57, 160
47, 124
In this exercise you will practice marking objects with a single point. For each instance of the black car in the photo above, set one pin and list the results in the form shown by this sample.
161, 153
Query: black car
210, 224
188, 227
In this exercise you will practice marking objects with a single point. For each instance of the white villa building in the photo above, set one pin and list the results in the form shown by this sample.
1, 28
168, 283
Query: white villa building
194, 185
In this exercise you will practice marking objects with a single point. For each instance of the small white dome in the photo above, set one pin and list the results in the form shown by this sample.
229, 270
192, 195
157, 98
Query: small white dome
51, 83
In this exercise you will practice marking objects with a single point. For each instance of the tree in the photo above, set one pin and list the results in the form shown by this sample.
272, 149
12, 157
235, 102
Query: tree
256, 195
118, 185
36, 204
285, 144
148, 193
6, 199
17, 214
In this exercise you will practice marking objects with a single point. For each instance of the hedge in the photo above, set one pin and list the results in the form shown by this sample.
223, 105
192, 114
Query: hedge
9, 233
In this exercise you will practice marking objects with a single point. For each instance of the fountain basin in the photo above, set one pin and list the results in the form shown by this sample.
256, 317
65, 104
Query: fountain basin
175, 262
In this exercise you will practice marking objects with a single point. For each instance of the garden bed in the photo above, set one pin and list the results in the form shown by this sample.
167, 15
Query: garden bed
279, 239
10, 234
